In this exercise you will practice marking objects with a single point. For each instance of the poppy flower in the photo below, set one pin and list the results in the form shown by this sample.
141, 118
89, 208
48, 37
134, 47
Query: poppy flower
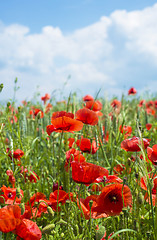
45, 98
36, 112
56, 187
152, 154
56, 197
132, 144
29, 175
28, 229
83, 205
141, 103
73, 155
148, 126
86, 173
64, 124
94, 105
71, 142
61, 114
87, 116
116, 104
120, 169
110, 201
17, 154
35, 206
11, 177
85, 145
88, 98
9, 218
13, 119
144, 186
106, 180
132, 91
36, 198
10, 195
126, 130
48, 107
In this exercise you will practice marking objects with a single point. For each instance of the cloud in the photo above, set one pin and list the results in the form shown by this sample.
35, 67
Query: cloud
113, 54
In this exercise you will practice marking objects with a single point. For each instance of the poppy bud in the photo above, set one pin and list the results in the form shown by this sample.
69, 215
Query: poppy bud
90, 203
18, 193
50, 211
100, 232
22, 206
48, 228
140, 198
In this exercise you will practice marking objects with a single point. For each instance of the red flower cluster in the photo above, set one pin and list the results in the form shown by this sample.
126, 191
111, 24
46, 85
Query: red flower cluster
132, 144
110, 202
12, 220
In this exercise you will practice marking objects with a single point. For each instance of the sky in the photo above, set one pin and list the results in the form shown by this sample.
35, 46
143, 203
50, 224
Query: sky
87, 46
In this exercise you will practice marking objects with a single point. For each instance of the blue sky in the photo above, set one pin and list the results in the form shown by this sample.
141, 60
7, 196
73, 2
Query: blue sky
107, 44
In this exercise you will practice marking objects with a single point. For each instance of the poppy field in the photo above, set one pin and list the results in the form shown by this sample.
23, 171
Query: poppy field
79, 169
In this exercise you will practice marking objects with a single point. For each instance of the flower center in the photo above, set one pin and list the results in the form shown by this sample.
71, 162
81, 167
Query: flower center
9, 195
113, 198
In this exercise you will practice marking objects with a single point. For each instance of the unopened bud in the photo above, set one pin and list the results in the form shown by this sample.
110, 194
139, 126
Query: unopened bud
50, 211
48, 228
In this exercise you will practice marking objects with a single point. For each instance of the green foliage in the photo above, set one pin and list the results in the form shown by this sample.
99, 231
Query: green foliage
45, 155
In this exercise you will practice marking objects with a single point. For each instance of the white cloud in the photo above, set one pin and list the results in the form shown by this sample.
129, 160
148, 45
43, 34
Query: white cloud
115, 53
140, 30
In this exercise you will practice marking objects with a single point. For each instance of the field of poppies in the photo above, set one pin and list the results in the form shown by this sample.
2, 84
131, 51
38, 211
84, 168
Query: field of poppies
79, 169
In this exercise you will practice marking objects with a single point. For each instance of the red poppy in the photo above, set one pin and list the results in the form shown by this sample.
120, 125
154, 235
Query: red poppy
11, 177
83, 205
120, 169
88, 98
17, 154
110, 201
87, 116
144, 186
29, 175
152, 154
45, 98
36, 206
132, 144
61, 114
94, 105
36, 112
71, 142
28, 229
9, 218
86, 173
141, 103
36, 198
56, 197
13, 119
116, 104
149, 104
106, 180
56, 187
48, 107
24, 102
148, 126
132, 91
85, 145
73, 155
10, 195
126, 130
64, 124
105, 135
